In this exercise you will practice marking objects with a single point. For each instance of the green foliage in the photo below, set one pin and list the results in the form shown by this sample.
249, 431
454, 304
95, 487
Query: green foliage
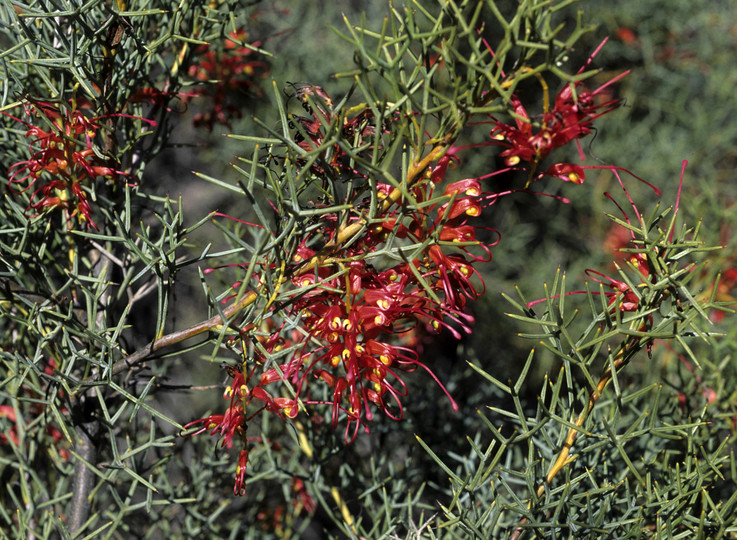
627, 443
118, 311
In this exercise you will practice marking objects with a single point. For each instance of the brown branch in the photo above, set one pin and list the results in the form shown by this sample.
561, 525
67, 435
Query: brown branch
85, 449
177, 337
86, 425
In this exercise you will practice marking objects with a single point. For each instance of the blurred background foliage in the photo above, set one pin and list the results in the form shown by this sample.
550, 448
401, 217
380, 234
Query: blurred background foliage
679, 105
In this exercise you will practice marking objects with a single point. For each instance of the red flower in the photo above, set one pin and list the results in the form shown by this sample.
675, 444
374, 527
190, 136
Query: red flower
6, 411
725, 292
627, 36
567, 172
454, 275
622, 297
159, 98
240, 473
302, 498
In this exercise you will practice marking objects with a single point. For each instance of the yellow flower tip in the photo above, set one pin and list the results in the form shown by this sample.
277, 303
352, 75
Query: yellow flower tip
513, 160
473, 212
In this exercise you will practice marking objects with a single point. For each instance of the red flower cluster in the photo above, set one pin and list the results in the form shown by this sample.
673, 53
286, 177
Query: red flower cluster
531, 140
63, 157
225, 73
359, 286
279, 520
235, 422
353, 314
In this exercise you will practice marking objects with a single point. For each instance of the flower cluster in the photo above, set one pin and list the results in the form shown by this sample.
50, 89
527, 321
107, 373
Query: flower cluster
63, 158
357, 291
279, 519
234, 422
225, 74
531, 140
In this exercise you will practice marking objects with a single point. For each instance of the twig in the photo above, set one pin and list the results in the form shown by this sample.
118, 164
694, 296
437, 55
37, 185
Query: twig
177, 337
